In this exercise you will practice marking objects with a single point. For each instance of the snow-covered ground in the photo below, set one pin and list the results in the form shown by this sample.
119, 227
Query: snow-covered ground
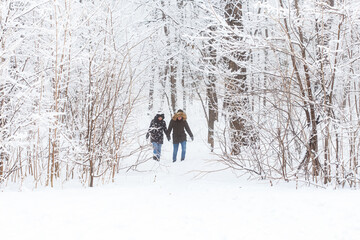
168, 203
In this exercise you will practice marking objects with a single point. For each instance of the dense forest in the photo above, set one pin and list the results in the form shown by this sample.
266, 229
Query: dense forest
278, 81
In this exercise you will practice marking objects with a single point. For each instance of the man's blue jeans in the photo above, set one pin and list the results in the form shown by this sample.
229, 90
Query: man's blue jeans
183, 150
157, 150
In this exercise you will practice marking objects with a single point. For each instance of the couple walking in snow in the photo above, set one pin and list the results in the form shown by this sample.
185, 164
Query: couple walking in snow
177, 125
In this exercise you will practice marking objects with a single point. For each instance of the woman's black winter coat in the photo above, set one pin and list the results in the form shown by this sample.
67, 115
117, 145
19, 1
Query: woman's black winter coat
157, 129
178, 127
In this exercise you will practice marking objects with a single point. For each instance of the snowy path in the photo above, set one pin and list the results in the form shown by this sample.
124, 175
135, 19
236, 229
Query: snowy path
175, 206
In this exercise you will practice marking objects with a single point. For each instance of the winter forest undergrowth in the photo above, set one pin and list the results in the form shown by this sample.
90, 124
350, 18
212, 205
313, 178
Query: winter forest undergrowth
271, 88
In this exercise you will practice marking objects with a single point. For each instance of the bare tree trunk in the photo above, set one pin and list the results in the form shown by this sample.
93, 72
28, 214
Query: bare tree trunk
305, 87
184, 63
323, 40
173, 85
53, 141
151, 92
3, 154
90, 127
183, 84
164, 80
213, 109
211, 93
236, 87
170, 69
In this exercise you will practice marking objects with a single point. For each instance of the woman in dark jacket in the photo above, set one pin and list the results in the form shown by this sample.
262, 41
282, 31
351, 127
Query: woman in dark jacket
156, 132
178, 125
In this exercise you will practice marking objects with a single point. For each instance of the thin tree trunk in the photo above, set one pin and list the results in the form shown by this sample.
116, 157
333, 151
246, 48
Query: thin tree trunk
173, 85
313, 148
213, 109
211, 92
151, 93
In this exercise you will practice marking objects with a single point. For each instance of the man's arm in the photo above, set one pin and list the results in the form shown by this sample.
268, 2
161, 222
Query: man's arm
169, 129
187, 128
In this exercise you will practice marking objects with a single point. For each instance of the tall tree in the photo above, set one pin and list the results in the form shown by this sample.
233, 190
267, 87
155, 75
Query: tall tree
236, 99
210, 82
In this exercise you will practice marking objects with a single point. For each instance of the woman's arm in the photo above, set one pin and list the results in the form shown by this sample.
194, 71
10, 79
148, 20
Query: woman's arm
150, 128
164, 127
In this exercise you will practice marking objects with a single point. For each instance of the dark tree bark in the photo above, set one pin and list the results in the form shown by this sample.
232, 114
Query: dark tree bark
236, 100
173, 86
151, 93
211, 91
